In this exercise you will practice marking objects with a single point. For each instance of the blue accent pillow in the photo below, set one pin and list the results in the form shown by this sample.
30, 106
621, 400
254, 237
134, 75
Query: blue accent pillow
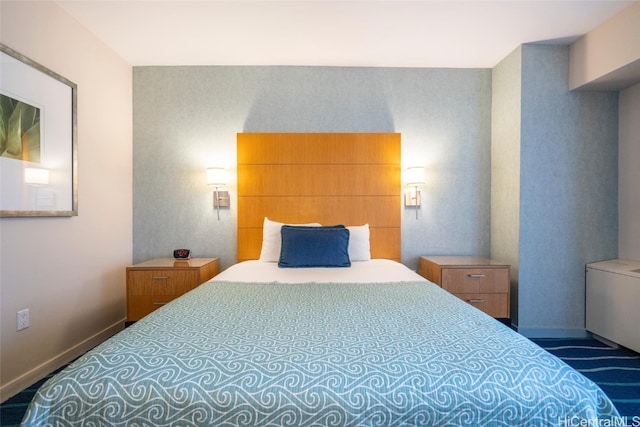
314, 246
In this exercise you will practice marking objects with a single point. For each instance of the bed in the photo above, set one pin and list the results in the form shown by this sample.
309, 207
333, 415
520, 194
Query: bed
334, 334
373, 344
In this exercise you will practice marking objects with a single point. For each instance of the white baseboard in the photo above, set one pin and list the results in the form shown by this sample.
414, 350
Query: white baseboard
36, 374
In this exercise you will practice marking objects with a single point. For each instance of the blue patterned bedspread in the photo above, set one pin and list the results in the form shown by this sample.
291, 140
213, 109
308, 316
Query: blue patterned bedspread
318, 354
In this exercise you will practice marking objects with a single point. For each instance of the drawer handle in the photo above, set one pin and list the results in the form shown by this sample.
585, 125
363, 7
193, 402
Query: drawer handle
159, 303
477, 276
161, 277
475, 301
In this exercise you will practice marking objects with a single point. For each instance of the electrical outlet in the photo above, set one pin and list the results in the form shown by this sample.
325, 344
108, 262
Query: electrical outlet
23, 319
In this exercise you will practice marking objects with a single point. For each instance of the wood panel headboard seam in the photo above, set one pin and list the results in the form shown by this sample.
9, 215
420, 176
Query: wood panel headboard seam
330, 178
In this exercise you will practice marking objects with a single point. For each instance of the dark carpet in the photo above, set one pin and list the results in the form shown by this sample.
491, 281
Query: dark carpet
12, 410
616, 371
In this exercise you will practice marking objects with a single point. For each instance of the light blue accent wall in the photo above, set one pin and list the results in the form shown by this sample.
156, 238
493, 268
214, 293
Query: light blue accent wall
567, 179
186, 119
569, 196
505, 167
544, 198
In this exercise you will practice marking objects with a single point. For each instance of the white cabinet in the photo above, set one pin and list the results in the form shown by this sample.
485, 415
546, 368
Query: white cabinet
613, 298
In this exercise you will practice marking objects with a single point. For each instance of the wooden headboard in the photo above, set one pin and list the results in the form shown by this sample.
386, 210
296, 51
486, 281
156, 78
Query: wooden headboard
330, 178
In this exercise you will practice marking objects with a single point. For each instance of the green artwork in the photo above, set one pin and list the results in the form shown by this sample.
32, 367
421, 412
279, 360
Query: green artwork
19, 130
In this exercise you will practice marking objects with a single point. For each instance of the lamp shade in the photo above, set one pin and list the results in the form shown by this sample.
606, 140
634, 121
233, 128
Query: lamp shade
414, 175
216, 176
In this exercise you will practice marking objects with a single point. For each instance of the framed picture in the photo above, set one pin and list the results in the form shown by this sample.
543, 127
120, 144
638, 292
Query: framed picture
38, 139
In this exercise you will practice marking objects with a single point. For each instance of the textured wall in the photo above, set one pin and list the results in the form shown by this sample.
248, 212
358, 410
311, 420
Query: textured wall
186, 118
505, 167
565, 215
553, 188
568, 191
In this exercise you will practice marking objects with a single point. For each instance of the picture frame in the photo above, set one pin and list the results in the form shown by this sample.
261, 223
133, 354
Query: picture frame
38, 139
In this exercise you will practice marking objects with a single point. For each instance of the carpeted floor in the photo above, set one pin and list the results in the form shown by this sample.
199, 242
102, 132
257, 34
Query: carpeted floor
616, 371
12, 411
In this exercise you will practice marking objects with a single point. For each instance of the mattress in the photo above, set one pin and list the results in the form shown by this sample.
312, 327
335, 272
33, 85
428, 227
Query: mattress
375, 270
263, 346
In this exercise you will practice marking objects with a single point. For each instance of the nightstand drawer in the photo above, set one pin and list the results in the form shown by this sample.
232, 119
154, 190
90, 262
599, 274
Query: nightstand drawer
141, 305
495, 305
162, 282
153, 283
481, 282
475, 280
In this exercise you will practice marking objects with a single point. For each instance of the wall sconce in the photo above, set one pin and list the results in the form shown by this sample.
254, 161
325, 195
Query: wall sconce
36, 176
414, 177
218, 178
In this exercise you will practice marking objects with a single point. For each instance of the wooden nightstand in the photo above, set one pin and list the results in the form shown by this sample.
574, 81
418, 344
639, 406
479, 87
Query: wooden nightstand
153, 283
481, 282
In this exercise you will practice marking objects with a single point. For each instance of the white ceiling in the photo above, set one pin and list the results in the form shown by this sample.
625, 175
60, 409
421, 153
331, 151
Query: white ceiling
427, 33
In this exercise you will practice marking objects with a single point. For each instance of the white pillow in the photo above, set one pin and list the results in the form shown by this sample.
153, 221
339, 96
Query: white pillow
272, 241
359, 249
